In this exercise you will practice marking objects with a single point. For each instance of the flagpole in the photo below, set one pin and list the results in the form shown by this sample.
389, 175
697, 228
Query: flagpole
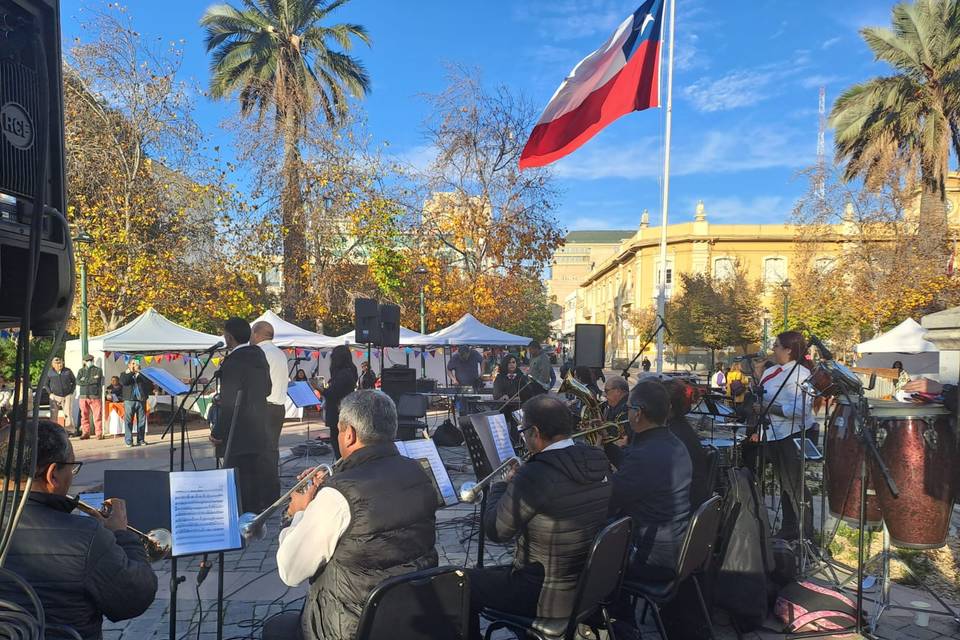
662, 293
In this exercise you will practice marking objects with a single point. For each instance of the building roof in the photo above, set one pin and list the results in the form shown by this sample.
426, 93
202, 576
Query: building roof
603, 236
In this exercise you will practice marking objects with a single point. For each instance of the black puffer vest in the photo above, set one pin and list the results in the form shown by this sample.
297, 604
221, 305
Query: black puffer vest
392, 531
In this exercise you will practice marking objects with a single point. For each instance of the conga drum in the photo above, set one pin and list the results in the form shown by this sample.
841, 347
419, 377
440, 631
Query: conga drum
919, 446
844, 452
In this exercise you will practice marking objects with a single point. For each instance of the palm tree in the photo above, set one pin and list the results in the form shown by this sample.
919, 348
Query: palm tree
912, 115
277, 57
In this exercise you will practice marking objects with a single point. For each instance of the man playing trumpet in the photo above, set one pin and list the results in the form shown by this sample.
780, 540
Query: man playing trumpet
375, 518
82, 568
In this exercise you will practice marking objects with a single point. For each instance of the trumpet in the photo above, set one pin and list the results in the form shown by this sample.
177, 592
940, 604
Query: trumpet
610, 432
253, 525
473, 491
156, 542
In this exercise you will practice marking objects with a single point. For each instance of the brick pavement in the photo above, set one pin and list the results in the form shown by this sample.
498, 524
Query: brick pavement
253, 591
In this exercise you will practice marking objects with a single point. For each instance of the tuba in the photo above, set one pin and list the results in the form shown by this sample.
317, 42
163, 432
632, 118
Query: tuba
591, 427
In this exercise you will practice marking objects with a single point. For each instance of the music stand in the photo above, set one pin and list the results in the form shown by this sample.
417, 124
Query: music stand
301, 395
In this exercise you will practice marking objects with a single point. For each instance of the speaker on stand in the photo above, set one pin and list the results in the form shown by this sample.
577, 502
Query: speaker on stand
590, 345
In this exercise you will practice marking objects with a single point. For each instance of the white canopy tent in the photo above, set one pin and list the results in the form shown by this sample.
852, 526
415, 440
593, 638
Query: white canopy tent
906, 343
470, 331
408, 338
286, 334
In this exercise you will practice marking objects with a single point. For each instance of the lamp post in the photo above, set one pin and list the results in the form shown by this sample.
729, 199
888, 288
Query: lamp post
766, 328
82, 238
422, 272
785, 285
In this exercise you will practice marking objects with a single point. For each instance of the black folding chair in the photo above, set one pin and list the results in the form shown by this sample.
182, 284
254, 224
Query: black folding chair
597, 587
430, 604
713, 469
697, 546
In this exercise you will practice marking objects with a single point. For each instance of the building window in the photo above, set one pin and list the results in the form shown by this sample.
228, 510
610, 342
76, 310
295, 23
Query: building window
824, 265
774, 271
656, 279
723, 268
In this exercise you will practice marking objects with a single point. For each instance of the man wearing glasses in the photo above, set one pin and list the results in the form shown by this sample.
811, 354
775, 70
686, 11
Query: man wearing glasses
82, 568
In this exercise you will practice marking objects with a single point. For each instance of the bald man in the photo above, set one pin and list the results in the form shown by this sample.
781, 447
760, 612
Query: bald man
262, 336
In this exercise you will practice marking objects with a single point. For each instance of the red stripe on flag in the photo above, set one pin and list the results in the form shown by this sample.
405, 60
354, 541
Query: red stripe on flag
634, 88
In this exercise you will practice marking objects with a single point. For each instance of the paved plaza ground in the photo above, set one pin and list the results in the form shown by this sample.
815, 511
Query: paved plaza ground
253, 591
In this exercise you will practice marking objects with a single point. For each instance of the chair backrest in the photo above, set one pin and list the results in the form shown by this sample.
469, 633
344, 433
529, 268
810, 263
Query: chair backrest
434, 603
713, 467
603, 571
700, 538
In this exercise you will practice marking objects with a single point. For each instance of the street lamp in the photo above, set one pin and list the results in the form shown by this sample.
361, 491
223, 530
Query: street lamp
421, 271
766, 328
785, 285
82, 238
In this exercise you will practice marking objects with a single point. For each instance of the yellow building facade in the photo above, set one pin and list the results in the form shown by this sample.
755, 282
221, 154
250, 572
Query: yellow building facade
628, 279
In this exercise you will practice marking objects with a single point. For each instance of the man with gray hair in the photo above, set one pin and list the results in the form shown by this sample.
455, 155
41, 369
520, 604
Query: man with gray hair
373, 519
262, 336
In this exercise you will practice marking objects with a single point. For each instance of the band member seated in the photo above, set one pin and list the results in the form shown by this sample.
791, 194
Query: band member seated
510, 381
652, 485
554, 506
615, 410
82, 567
682, 399
372, 520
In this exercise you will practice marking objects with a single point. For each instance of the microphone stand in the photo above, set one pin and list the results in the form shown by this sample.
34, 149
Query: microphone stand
661, 325
180, 409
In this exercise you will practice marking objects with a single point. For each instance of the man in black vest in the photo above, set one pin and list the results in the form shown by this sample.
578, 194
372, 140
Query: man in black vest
554, 506
245, 369
372, 520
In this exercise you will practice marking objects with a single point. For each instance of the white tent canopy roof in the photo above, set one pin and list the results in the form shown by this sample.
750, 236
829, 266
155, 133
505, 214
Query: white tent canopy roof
151, 331
408, 338
286, 334
470, 331
906, 337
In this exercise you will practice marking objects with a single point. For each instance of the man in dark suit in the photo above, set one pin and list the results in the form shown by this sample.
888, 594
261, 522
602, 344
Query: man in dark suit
244, 370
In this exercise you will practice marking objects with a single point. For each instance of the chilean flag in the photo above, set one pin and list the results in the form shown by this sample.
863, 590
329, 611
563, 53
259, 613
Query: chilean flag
621, 76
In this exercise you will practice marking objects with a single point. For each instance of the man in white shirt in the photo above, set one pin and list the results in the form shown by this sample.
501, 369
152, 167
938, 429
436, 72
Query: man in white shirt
373, 519
262, 336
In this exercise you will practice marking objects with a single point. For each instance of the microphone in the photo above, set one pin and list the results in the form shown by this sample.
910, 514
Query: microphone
818, 343
663, 323
219, 345
751, 356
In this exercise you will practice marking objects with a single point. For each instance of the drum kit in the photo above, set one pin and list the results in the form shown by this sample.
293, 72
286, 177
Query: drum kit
889, 465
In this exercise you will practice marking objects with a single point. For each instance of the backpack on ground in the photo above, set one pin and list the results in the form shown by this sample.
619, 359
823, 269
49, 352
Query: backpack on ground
810, 606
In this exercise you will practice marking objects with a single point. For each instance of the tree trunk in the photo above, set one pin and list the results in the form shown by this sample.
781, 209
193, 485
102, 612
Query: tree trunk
932, 222
294, 237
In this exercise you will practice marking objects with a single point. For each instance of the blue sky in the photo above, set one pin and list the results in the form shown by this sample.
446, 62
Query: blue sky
745, 90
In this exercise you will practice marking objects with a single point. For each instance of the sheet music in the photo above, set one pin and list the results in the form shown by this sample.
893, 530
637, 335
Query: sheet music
501, 437
204, 512
165, 380
427, 449
302, 395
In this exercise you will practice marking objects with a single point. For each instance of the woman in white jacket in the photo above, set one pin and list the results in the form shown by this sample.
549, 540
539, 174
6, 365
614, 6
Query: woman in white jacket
788, 414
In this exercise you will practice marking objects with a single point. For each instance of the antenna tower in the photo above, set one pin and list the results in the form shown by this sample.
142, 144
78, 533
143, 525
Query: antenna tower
822, 144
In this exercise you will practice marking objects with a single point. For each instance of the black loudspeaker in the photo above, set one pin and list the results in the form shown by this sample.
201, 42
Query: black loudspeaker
590, 345
396, 381
367, 321
389, 325
32, 164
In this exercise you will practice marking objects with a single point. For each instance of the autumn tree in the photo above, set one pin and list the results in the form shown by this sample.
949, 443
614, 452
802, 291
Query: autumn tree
165, 222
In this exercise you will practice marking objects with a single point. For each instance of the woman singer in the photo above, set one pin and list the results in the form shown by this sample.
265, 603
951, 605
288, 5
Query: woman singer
788, 413
510, 380
343, 382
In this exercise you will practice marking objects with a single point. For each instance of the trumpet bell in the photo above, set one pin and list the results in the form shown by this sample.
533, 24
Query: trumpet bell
158, 544
469, 492
250, 527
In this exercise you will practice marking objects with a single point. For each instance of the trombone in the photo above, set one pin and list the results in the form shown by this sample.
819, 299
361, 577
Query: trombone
253, 525
473, 491
156, 542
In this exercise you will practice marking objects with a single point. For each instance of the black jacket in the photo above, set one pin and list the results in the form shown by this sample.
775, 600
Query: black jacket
343, 382
61, 384
128, 381
246, 369
392, 531
652, 486
368, 380
90, 381
700, 489
504, 386
554, 507
80, 570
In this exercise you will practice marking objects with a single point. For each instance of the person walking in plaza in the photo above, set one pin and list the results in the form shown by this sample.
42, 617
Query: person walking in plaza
136, 389
262, 336
540, 367
240, 435
60, 384
90, 381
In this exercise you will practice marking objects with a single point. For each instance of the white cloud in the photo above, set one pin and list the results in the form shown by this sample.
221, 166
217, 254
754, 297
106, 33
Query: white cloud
763, 209
572, 19
746, 148
734, 90
419, 158
830, 42
817, 81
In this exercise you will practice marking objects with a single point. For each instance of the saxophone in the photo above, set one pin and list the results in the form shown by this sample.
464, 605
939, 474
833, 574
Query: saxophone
592, 426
